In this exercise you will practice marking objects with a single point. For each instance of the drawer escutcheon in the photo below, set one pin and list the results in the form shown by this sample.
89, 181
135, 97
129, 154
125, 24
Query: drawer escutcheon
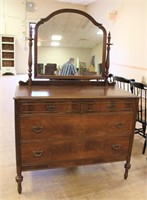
38, 153
119, 125
112, 106
116, 147
50, 107
37, 129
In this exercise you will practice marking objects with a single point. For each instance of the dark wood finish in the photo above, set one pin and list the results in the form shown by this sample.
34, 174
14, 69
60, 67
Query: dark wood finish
64, 126
72, 121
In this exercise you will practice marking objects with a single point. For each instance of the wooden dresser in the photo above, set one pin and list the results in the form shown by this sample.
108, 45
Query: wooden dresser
64, 126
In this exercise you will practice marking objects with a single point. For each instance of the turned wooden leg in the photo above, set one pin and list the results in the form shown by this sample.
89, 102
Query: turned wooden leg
19, 179
127, 167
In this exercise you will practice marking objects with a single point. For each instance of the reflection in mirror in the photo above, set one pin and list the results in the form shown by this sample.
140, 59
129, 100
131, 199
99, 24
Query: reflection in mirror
70, 35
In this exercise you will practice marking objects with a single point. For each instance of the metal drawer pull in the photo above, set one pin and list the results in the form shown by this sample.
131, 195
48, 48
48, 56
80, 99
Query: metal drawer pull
50, 107
38, 153
112, 106
116, 146
119, 125
37, 129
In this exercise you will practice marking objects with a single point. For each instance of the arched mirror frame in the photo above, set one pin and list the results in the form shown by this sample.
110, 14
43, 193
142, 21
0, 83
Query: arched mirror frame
42, 21
49, 78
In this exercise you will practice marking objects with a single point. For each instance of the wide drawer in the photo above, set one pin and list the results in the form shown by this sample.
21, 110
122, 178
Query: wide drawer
74, 151
81, 106
75, 126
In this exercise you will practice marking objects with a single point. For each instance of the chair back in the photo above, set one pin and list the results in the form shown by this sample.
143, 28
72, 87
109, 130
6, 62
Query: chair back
123, 83
140, 90
50, 68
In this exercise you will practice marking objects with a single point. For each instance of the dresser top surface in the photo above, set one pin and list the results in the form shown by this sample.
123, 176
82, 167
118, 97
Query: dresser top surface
69, 92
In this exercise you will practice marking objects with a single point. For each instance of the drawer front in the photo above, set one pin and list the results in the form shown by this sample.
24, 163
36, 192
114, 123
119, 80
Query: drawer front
44, 107
77, 151
58, 107
75, 126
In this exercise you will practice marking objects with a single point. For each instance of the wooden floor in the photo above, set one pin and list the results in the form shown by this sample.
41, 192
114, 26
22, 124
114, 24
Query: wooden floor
93, 182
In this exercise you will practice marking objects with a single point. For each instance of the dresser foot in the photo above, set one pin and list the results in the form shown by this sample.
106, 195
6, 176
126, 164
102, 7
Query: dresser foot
127, 167
19, 179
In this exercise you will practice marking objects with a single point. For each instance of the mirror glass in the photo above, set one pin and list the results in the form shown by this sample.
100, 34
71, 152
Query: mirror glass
69, 35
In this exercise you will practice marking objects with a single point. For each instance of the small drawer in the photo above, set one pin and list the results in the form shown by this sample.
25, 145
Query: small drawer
43, 107
108, 106
50, 107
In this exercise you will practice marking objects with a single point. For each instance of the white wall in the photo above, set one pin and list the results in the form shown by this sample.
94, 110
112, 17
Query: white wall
128, 30
129, 35
61, 55
97, 51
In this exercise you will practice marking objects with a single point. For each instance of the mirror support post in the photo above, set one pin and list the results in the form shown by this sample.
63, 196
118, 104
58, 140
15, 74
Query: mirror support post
30, 57
29, 81
107, 63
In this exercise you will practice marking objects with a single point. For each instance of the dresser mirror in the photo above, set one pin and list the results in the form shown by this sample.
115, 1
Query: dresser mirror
81, 38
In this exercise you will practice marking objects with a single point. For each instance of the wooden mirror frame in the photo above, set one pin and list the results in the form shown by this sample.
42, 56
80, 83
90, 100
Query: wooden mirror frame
53, 78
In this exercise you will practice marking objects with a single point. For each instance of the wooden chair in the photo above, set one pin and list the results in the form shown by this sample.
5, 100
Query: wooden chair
40, 68
50, 68
140, 90
123, 83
